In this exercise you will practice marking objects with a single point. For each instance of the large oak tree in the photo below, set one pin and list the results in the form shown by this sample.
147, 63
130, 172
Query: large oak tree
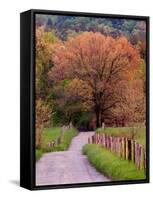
102, 63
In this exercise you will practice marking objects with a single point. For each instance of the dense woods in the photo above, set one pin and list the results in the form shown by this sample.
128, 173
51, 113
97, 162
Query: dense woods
89, 68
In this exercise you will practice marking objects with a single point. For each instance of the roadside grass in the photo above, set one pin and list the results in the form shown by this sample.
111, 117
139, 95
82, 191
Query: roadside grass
51, 134
39, 153
136, 133
111, 165
66, 140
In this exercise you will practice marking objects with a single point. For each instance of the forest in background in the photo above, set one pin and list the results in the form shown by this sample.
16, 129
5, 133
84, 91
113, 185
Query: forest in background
89, 67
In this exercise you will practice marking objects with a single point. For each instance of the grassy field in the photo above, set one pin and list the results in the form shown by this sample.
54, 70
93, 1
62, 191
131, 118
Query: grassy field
66, 141
39, 153
51, 134
111, 165
138, 134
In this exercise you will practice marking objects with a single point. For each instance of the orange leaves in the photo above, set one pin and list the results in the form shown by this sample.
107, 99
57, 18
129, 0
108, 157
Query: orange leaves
95, 56
98, 67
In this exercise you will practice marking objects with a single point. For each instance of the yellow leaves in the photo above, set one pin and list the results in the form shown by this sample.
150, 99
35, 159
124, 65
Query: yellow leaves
81, 90
45, 42
132, 101
43, 112
44, 45
43, 115
78, 87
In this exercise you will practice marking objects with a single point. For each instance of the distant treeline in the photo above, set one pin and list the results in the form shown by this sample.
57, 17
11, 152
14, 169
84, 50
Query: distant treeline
66, 26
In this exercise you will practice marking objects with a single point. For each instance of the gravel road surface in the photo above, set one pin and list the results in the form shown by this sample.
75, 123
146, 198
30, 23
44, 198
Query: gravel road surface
67, 167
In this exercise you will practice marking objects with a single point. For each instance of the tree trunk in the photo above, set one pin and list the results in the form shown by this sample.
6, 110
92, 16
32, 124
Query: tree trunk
97, 111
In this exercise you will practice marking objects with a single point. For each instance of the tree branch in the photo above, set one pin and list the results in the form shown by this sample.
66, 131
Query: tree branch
110, 106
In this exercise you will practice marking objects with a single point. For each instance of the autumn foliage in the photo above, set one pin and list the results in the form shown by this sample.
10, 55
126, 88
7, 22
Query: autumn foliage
88, 73
102, 74
44, 49
43, 114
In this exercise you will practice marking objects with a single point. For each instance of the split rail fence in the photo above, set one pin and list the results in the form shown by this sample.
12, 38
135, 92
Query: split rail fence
125, 148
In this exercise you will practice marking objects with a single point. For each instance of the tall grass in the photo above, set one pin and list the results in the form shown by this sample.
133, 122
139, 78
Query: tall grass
51, 134
39, 153
111, 165
136, 133
66, 140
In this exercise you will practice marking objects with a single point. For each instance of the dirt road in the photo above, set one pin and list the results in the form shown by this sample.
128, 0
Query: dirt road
67, 167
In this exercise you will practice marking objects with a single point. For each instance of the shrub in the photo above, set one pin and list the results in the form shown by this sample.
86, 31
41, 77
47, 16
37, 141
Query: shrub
39, 153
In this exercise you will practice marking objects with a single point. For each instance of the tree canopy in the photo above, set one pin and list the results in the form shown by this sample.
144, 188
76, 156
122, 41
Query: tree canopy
89, 66
99, 70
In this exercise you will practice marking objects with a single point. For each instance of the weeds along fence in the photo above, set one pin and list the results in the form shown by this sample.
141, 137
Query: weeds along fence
125, 148
56, 142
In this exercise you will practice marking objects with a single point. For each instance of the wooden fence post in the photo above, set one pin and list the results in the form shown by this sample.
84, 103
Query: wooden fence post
144, 159
92, 139
53, 143
98, 138
132, 150
111, 143
126, 148
95, 138
106, 137
101, 140
129, 149
114, 145
108, 142
104, 142
58, 141
95, 135
123, 147
48, 144
119, 146
136, 155
140, 156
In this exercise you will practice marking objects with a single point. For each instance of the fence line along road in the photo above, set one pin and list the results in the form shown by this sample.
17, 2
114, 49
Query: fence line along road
125, 148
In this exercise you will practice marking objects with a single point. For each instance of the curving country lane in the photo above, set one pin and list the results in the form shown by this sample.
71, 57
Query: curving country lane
68, 167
